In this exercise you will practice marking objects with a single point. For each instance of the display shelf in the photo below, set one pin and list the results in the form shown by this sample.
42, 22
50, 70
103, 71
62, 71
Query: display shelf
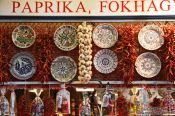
91, 82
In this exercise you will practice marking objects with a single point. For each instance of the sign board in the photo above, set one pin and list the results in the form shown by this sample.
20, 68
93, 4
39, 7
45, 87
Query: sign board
87, 8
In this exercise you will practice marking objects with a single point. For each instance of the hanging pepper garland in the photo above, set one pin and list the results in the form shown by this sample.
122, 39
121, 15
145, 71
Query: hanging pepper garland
45, 57
24, 105
44, 50
49, 105
127, 47
169, 52
4, 63
43, 54
121, 106
156, 102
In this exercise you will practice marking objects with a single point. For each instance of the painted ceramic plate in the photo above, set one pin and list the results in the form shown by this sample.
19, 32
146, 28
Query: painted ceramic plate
23, 66
23, 36
150, 37
105, 61
65, 38
148, 65
105, 36
63, 69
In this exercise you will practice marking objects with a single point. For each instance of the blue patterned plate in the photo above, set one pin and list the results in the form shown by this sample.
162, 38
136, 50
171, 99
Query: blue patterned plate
23, 66
148, 65
105, 61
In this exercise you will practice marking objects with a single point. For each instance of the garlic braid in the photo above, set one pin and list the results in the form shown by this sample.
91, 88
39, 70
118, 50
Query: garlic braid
85, 52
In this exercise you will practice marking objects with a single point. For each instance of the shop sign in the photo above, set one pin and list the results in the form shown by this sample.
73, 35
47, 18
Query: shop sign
86, 7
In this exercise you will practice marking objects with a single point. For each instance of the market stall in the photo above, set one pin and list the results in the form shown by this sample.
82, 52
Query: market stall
87, 64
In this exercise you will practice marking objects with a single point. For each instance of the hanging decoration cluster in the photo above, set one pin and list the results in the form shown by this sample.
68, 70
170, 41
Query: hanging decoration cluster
24, 105
169, 52
122, 106
85, 52
49, 108
4, 64
127, 48
45, 51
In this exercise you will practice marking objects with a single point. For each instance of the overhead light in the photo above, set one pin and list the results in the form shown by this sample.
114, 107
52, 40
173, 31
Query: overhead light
35, 90
84, 89
116, 94
32, 90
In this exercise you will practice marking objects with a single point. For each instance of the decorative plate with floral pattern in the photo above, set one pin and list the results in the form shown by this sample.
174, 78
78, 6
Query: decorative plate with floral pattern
63, 69
23, 66
150, 37
105, 35
148, 65
105, 61
65, 38
23, 36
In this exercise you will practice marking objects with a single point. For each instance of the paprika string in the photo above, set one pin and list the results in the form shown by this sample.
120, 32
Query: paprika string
169, 52
1, 62
44, 51
127, 47
24, 104
49, 105
5, 64
121, 105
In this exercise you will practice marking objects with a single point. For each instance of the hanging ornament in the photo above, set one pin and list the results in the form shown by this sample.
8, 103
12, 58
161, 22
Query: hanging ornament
85, 52
24, 104
144, 102
121, 105
13, 103
155, 94
49, 105
107, 102
155, 102
63, 101
4, 104
37, 104
85, 109
168, 103
134, 102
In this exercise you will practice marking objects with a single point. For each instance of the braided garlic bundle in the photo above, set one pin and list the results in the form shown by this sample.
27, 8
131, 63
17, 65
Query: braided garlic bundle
85, 52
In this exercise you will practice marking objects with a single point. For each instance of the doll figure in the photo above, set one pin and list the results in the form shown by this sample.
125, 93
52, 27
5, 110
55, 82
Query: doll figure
107, 103
37, 104
134, 101
4, 104
86, 108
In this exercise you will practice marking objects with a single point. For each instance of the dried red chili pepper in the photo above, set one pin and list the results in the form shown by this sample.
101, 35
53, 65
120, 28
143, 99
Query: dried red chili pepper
128, 50
169, 52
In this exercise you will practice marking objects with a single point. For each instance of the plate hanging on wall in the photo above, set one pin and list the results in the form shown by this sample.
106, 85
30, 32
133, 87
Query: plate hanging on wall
23, 66
148, 65
105, 35
63, 69
65, 37
23, 36
150, 37
105, 61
